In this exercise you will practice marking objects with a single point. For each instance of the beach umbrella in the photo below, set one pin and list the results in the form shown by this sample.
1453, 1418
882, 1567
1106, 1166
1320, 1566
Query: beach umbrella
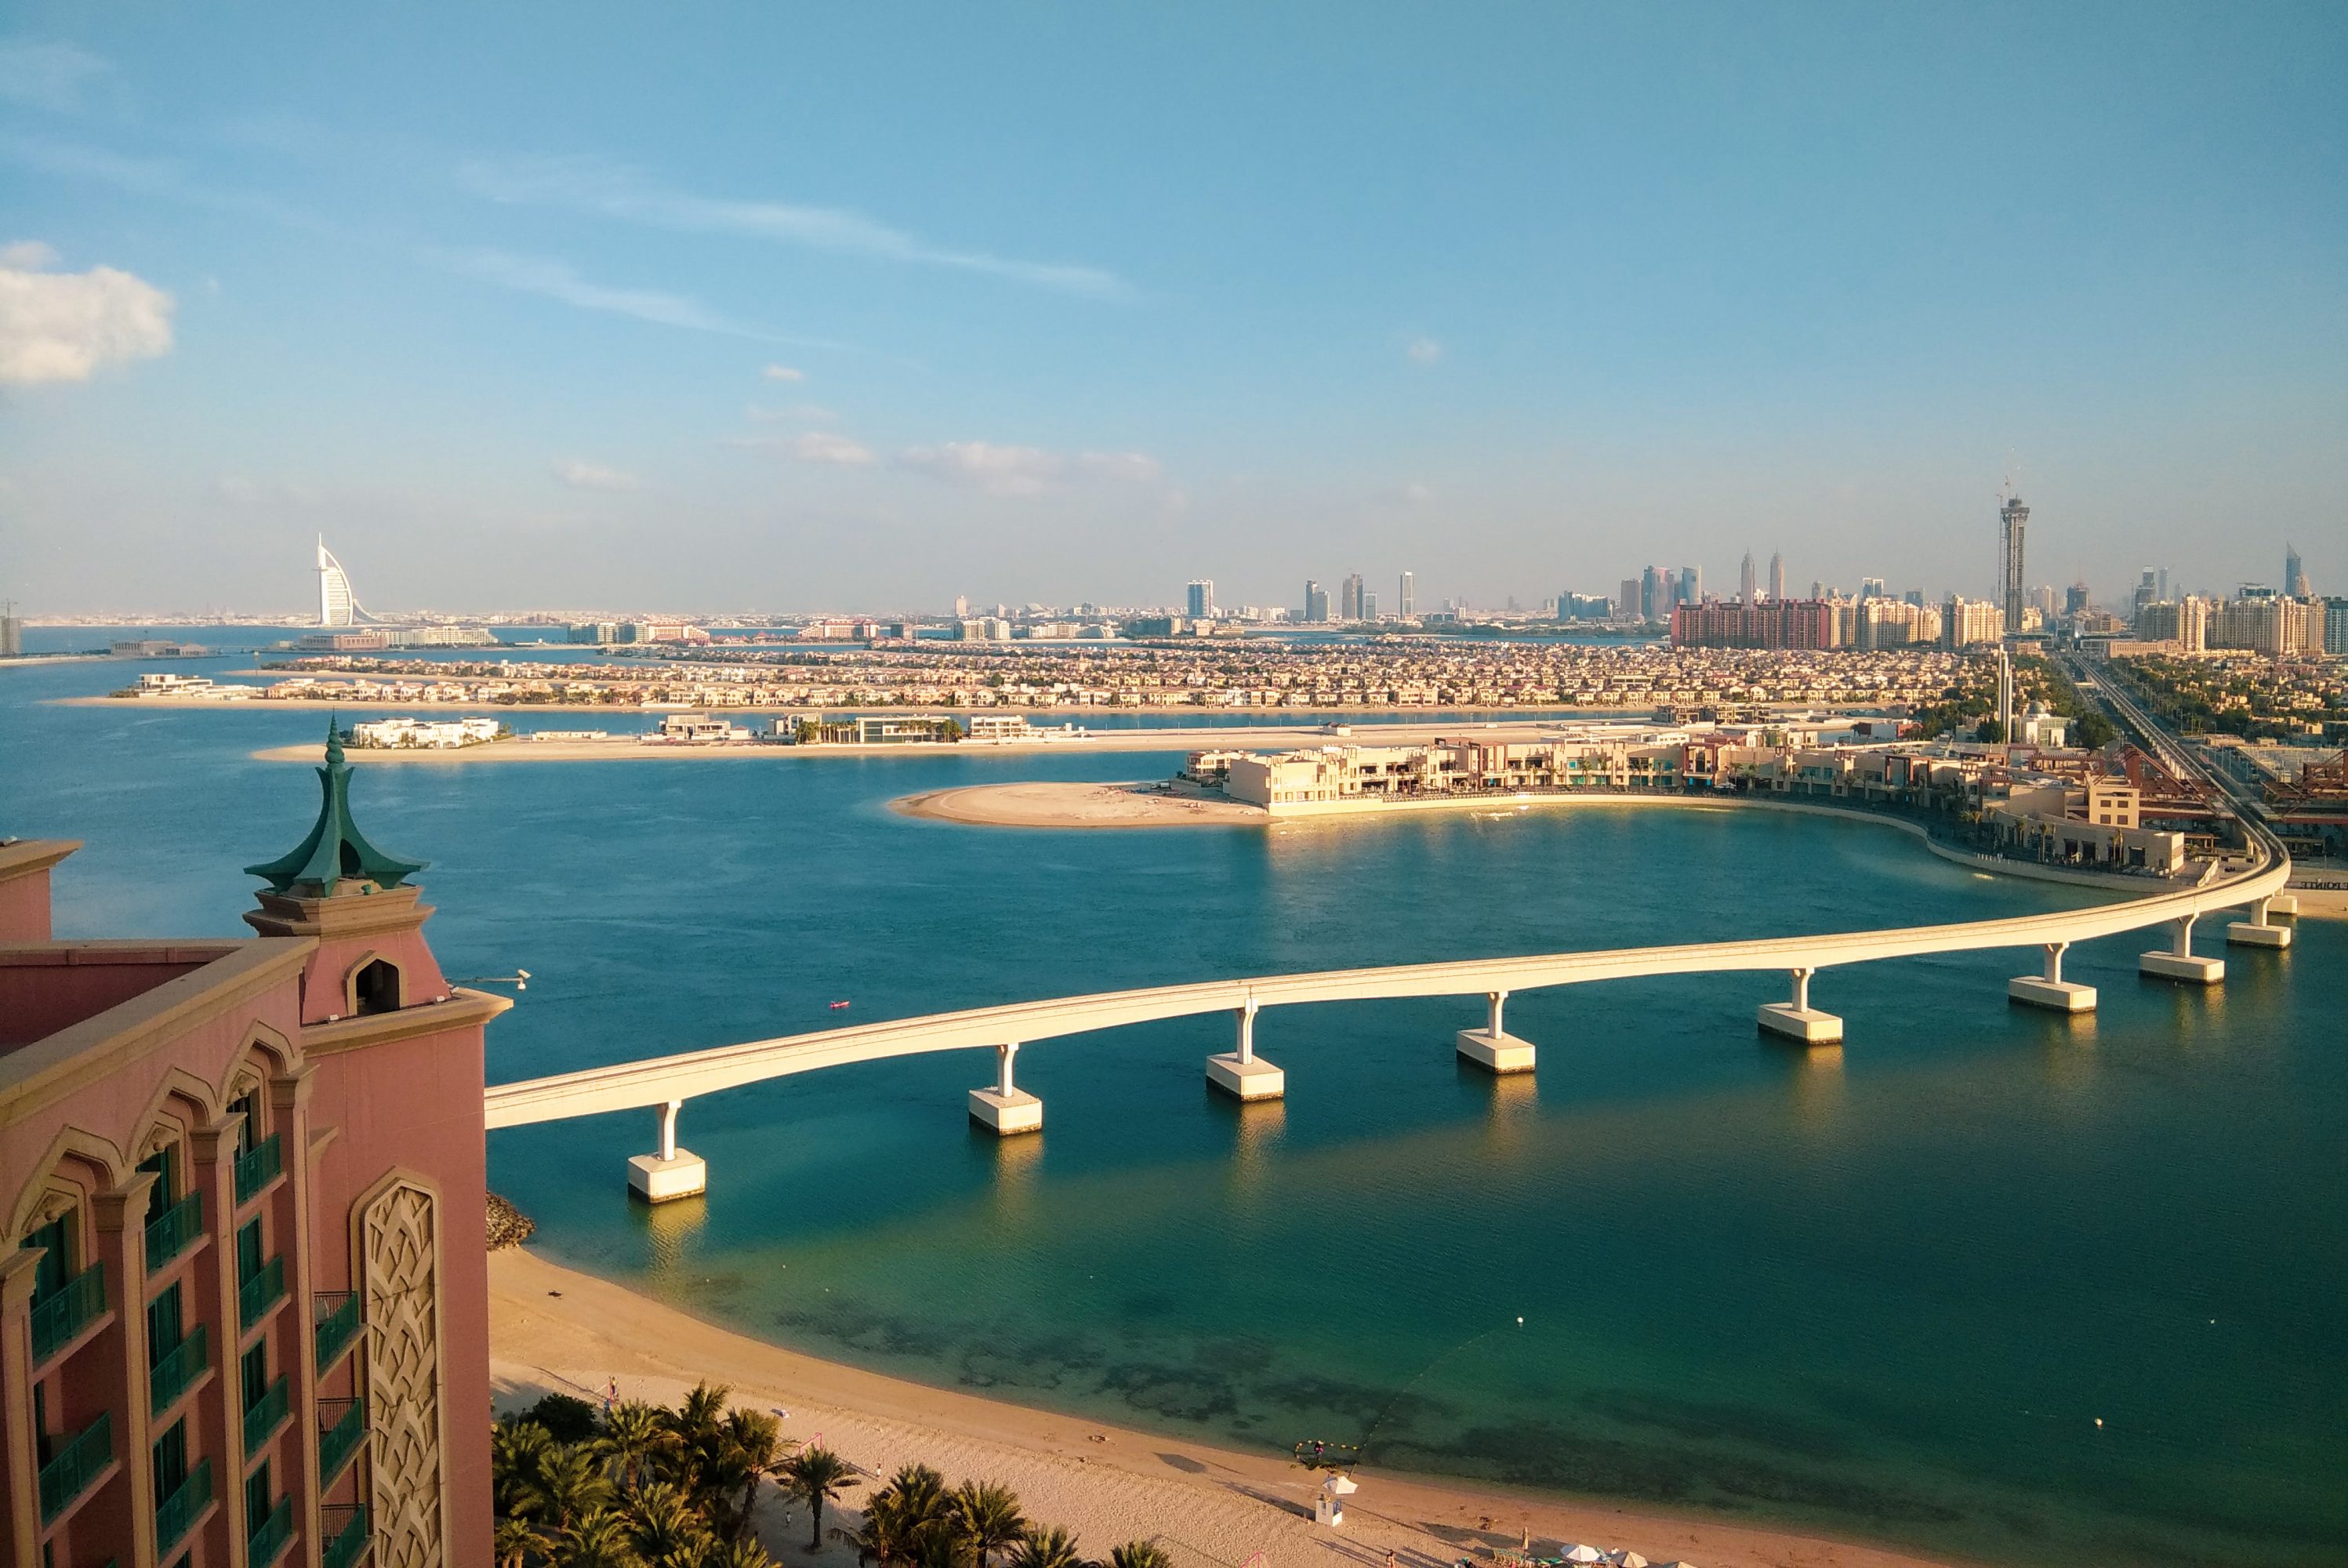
1579, 1553
1626, 1558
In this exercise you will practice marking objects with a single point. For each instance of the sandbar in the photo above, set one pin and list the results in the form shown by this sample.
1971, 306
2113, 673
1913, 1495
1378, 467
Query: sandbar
1040, 803
552, 1328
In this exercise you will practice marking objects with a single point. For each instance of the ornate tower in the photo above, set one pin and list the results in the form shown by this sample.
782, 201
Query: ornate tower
2013, 518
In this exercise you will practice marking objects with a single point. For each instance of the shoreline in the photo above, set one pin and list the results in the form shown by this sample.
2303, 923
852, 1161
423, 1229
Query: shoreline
554, 1328
1044, 803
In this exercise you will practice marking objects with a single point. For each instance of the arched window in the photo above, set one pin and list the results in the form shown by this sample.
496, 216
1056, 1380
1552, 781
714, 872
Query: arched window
376, 987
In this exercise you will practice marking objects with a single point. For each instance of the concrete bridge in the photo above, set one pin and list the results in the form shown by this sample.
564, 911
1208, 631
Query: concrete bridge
665, 1083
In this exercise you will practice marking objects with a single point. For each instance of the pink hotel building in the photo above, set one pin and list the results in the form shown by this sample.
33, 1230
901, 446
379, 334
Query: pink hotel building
244, 1304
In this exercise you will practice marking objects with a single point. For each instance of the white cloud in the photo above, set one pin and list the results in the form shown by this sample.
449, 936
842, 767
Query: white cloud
784, 373
557, 280
61, 326
54, 77
827, 447
1424, 351
593, 476
1418, 492
1023, 470
586, 185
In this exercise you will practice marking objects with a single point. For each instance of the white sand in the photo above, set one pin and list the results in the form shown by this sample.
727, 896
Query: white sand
1043, 804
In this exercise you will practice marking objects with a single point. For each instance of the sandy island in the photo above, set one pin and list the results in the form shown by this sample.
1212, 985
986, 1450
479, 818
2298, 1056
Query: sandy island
1050, 804
551, 1328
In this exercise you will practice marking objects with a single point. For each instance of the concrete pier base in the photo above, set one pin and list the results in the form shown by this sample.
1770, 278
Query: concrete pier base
1253, 1078
1502, 1052
684, 1174
2184, 966
2283, 903
1007, 1114
2242, 934
2062, 996
1808, 1025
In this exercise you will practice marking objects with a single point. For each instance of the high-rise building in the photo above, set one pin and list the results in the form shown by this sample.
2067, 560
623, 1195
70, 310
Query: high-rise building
337, 606
2164, 582
1777, 575
2335, 624
1780, 623
2147, 590
2075, 600
2294, 575
1627, 604
2013, 520
1349, 597
1871, 588
1316, 603
1968, 623
1655, 602
1406, 602
1202, 604
12, 632
1748, 585
1691, 591
1369, 605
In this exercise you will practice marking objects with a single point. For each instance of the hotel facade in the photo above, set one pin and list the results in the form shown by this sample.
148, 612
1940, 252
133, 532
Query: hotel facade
243, 1319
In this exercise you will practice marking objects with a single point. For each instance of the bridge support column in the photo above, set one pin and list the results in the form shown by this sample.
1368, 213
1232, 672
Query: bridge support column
1796, 1019
1492, 1047
2050, 990
1240, 1072
2179, 962
1007, 1108
2256, 932
672, 1173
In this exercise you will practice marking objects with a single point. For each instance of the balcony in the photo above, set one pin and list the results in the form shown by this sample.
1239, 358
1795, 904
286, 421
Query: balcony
76, 1468
258, 1166
265, 1415
178, 1368
256, 1296
272, 1536
174, 1231
337, 1326
345, 1530
59, 1317
175, 1514
341, 1427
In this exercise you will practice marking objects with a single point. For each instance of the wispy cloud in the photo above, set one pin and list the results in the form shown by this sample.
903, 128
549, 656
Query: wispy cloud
1423, 351
812, 447
557, 281
1024, 470
62, 326
57, 77
580, 475
611, 191
784, 373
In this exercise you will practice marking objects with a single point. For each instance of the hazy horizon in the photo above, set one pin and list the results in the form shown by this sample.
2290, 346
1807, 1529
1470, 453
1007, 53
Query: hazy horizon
863, 311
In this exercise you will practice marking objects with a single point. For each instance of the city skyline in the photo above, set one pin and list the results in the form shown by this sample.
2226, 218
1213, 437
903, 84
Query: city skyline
811, 332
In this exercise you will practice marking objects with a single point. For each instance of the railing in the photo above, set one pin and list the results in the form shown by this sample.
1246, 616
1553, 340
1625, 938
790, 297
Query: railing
73, 1468
342, 1427
176, 1513
67, 1310
263, 1291
174, 1231
337, 1324
265, 1415
345, 1526
178, 1368
270, 1538
259, 1165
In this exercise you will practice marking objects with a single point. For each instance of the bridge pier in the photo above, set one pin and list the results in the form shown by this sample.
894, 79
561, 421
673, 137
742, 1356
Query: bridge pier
1240, 1072
2179, 962
2256, 932
2050, 990
672, 1172
1492, 1047
1007, 1108
1796, 1019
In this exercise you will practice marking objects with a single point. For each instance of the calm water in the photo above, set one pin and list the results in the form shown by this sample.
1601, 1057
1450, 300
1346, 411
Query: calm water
1885, 1294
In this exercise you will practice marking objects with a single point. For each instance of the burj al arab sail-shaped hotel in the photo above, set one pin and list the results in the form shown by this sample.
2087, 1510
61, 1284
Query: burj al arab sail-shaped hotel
337, 606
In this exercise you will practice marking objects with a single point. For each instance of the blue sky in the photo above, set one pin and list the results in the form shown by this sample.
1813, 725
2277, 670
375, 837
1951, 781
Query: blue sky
712, 308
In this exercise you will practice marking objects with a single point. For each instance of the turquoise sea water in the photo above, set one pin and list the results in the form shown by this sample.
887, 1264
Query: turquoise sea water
1884, 1294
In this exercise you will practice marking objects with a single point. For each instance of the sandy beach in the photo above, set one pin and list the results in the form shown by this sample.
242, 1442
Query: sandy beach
552, 1328
1048, 804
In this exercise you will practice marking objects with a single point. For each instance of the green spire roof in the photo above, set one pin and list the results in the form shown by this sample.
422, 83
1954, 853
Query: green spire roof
336, 848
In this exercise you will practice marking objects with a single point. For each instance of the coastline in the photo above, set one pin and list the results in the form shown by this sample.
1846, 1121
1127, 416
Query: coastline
555, 1328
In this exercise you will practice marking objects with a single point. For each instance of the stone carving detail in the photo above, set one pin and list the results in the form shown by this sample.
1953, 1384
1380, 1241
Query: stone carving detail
404, 1376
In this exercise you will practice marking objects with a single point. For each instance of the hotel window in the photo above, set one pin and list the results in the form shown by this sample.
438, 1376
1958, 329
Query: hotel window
376, 987
165, 1189
248, 1249
171, 1460
56, 1264
163, 1326
252, 1373
249, 1134
257, 1502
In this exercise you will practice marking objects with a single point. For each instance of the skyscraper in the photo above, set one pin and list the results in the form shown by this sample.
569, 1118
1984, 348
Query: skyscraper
1691, 585
2014, 518
1748, 587
1628, 604
1202, 605
1653, 605
1406, 602
1777, 575
1871, 588
2294, 575
337, 606
1316, 601
1349, 597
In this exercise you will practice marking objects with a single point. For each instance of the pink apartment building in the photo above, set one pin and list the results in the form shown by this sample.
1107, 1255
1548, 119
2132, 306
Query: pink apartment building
244, 1312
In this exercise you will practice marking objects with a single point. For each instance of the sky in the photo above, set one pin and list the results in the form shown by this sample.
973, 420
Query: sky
710, 309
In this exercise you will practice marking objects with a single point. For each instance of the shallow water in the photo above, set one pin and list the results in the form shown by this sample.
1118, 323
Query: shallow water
1884, 1293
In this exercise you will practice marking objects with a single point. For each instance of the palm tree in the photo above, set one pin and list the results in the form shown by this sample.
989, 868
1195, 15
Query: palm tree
1138, 1555
602, 1538
986, 1516
668, 1530
634, 1433
747, 1441
515, 1541
816, 1476
1048, 1548
569, 1484
517, 1451
738, 1555
903, 1521
697, 1426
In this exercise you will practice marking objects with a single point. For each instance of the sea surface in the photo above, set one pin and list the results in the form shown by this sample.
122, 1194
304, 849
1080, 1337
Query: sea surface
1986, 1281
